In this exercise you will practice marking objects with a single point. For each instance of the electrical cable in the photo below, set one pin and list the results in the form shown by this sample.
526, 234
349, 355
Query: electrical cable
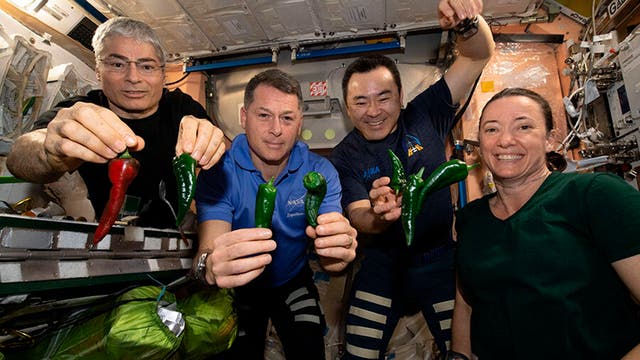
179, 80
574, 127
462, 109
572, 134
624, 135
468, 101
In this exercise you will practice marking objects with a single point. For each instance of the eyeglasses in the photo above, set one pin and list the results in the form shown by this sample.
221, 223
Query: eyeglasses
119, 66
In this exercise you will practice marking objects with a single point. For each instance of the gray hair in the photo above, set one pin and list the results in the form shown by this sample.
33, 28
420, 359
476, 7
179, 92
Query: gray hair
129, 28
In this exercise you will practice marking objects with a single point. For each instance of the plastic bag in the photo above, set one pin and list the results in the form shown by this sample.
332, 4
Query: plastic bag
127, 328
137, 332
211, 323
82, 340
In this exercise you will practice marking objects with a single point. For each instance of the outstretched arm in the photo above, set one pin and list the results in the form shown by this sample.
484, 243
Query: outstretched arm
83, 132
235, 257
473, 53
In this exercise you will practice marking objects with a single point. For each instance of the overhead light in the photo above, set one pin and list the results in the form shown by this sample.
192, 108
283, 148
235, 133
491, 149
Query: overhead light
29, 5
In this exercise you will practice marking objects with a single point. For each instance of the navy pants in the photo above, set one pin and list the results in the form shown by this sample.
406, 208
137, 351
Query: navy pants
390, 285
295, 312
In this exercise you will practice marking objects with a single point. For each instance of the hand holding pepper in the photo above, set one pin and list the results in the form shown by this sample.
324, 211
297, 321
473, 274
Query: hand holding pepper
122, 171
237, 257
386, 193
334, 241
415, 190
90, 133
385, 202
200, 138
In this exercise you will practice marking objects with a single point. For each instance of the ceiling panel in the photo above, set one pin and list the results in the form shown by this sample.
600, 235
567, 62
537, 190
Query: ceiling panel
351, 15
281, 19
502, 8
410, 13
199, 28
227, 24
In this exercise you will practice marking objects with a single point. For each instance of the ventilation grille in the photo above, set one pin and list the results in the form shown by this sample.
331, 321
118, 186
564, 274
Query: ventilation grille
83, 32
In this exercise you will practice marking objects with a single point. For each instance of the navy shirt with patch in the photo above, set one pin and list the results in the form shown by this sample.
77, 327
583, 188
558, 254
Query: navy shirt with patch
419, 141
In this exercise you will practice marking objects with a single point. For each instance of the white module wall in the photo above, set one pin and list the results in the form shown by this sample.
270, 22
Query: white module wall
63, 82
6, 51
23, 89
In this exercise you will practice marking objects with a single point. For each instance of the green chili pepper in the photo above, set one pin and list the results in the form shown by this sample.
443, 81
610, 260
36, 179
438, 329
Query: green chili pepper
184, 169
411, 205
415, 190
398, 178
265, 203
316, 186
444, 175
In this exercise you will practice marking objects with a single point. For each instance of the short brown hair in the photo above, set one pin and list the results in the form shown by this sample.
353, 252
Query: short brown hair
277, 79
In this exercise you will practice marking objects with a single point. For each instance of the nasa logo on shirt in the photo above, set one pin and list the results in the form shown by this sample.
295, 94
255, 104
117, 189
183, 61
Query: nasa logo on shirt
295, 205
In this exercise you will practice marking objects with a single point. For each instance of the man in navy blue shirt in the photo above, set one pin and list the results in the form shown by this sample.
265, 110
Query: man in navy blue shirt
269, 267
394, 279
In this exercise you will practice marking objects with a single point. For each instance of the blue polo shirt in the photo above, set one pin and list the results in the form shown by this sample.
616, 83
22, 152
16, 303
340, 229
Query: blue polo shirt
228, 190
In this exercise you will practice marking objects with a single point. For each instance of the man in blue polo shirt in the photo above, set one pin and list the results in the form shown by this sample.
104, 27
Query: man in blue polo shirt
269, 267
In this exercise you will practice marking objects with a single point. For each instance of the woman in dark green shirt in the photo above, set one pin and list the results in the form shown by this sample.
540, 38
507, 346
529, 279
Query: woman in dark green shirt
547, 266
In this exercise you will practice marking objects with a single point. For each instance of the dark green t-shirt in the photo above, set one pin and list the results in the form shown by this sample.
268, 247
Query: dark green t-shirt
540, 283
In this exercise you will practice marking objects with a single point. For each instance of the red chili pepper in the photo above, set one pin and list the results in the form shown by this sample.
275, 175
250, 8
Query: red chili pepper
122, 171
